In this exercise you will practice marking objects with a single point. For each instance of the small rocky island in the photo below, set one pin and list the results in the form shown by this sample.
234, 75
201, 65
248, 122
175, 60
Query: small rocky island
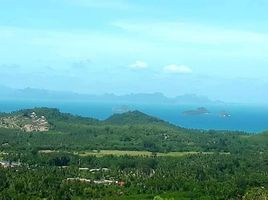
198, 111
224, 114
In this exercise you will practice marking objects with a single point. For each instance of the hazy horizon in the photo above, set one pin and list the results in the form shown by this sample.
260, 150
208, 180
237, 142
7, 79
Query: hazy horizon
204, 47
36, 94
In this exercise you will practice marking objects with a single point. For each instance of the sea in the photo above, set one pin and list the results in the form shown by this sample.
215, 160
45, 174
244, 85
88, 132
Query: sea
239, 117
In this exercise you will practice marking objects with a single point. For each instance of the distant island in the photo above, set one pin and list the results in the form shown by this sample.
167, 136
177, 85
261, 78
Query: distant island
224, 114
133, 98
198, 111
205, 111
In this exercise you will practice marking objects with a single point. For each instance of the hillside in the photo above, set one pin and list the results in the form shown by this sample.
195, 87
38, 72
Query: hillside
134, 118
127, 131
259, 139
53, 114
29, 122
126, 157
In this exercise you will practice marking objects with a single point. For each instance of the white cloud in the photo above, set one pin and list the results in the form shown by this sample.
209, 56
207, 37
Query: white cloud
177, 69
139, 65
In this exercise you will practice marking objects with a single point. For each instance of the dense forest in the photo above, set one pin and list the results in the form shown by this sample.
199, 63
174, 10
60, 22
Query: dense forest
127, 156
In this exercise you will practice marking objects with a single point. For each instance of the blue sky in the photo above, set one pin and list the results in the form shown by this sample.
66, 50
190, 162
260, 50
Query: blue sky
216, 48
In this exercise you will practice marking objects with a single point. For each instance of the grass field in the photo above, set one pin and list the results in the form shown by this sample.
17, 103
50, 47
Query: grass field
115, 153
102, 153
137, 153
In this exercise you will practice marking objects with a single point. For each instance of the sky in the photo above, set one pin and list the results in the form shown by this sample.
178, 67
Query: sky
215, 48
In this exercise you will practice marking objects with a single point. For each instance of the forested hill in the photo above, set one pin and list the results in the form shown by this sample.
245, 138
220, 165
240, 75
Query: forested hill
53, 115
135, 118
46, 128
46, 154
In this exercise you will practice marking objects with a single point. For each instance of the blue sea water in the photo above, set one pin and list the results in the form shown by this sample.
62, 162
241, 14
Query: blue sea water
247, 118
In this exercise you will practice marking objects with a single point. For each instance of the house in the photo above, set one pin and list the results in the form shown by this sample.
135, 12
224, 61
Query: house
99, 169
79, 179
120, 183
83, 169
98, 182
33, 115
7, 164
105, 182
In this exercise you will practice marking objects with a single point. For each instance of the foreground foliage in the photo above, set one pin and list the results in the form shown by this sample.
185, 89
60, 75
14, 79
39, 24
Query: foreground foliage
203, 165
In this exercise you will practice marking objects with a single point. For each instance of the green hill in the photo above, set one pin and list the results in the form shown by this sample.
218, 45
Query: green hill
53, 114
134, 118
128, 131
259, 139
127, 156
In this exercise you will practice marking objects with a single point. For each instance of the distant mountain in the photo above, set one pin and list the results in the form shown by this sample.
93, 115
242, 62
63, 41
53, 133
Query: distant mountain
5, 91
195, 99
142, 98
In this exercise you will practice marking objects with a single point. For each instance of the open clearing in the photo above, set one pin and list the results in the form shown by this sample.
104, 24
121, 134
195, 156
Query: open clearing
115, 153
139, 153
102, 153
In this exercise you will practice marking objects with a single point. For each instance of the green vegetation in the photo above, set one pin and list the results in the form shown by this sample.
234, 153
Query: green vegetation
128, 156
102, 153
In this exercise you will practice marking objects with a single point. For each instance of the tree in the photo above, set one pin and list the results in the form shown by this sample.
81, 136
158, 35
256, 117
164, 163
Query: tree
3, 180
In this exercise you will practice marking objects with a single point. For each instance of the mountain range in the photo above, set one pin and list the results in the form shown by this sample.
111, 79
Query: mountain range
140, 98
